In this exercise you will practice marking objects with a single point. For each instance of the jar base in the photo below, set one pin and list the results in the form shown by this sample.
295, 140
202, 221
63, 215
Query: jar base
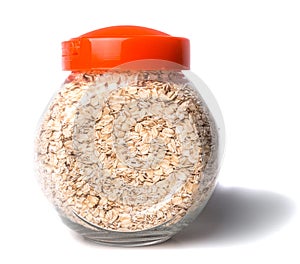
121, 239
130, 241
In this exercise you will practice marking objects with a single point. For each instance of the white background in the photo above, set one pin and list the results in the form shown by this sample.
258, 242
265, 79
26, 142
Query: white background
248, 52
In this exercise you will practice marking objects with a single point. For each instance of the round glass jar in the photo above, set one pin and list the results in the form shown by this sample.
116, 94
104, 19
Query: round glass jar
129, 148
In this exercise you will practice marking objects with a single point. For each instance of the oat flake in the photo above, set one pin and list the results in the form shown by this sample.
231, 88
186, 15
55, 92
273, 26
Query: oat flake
126, 150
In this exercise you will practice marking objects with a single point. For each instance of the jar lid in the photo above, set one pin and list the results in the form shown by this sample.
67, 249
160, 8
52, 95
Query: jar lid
113, 46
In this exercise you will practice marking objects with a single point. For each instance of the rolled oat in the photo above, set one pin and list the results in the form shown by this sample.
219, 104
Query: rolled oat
127, 151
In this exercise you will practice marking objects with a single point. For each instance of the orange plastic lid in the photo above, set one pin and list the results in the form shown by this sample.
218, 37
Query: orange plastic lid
113, 46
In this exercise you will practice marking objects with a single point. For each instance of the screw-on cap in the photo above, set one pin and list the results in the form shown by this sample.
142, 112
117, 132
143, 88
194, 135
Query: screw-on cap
112, 46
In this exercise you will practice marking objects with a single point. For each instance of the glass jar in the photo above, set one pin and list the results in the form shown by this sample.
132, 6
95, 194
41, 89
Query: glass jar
129, 148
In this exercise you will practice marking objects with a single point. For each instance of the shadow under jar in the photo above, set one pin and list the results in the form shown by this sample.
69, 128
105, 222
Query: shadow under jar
129, 148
